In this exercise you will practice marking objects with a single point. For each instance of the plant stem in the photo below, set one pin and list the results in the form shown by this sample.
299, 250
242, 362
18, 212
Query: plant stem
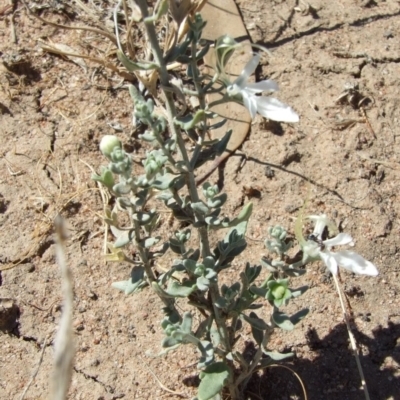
245, 376
175, 130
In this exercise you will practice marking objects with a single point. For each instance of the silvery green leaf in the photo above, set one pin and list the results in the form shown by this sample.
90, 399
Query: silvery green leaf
147, 136
150, 241
252, 272
206, 349
135, 283
217, 124
211, 115
255, 322
259, 291
215, 336
258, 335
213, 221
190, 265
294, 272
168, 342
190, 121
124, 203
143, 218
170, 145
265, 362
220, 147
202, 283
200, 208
202, 52
125, 238
213, 379
121, 188
165, 196
210, 274
160, 291
186, 324
282, 320
276, 356
240, 222
221, 302
209, 262
176, 246
135, 66
217, 201
160, 251
298, 292
106, 178
164, 182
178, 50
176, 289
268, 264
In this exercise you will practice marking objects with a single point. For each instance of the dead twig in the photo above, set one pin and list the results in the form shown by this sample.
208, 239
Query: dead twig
36, 370
64, 344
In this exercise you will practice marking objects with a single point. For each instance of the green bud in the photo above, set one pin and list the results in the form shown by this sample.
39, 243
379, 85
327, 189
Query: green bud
210, 191
108, 143
278, 292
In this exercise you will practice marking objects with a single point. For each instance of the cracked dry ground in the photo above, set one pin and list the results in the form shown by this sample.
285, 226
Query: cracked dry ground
53, 114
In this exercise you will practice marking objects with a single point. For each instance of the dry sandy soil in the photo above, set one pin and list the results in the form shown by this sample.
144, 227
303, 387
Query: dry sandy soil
53, 115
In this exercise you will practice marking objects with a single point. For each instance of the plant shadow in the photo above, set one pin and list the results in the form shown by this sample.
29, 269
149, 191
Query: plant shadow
333, 373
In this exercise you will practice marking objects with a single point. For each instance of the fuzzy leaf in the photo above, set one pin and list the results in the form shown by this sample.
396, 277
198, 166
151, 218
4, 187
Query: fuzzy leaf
255, 322
176, 289
134, 66
124, 238
200, 208
135, 283
276, 356
150, 241
206, 349
282, 320
212, 380
298, 292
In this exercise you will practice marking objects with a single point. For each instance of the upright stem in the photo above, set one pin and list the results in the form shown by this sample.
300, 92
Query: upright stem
175, 130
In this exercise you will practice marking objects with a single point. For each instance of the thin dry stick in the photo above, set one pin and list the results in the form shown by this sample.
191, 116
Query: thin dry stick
64, 344
36, 370
290, 369
83, 28
352, 339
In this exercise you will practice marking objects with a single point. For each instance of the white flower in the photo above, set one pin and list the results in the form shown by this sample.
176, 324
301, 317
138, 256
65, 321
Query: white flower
268, 107
316, 248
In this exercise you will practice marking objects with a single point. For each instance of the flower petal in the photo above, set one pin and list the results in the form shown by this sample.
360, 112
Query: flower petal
321, 221
329, 259
250, 102
262, 86
248, 70
342, 238
355, 263
272, 108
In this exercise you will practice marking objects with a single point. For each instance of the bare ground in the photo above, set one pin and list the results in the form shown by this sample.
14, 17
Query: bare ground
53, 115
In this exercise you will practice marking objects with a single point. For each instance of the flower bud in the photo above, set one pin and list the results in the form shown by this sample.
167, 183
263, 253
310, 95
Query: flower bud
108, 144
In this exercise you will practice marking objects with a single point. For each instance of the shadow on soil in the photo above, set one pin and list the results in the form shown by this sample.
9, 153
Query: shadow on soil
333, 373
